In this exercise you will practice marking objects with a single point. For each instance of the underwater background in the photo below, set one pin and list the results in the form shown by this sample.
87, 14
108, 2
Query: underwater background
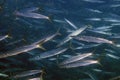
104, 14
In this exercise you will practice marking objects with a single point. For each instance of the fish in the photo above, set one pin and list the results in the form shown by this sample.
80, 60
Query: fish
18, 50
27, 73
71, 24
30, 9
115, 5
91, 75
115, 24
115, 36
35, 79
12, 70
94, 1
111, 20
49, 54
104, 27
3, 75
80, 63
101, 32
113, 56
87, 46
76, 58
31, 15
93, 39
59, 21
110, 51
47, 38
4, 37
93, 19
115, 78
15, 42
75, 33
95, 10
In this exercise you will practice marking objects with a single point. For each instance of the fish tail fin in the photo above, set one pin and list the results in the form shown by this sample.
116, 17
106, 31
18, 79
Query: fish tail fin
113, 42
58, 31
71, 46
100, 58
9, 35
99, 62
89, 26
42, 73
50, 18
41, 47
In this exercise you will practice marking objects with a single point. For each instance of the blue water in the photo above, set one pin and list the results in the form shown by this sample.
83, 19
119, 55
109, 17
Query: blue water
78, 12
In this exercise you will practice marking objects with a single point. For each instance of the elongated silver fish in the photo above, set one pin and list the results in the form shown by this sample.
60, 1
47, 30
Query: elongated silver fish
101, 32
45, 39
35, 79
30, 9
94, 1
75, 33
113, 56
49, 54
93, 19
79, 63
31, 15
3, 37
27, 73
93, 39
3, 75
76, 58
18, 50
70, 23
87, 46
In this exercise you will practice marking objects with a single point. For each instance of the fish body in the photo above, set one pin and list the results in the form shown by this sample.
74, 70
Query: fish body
3, 75
18, 50
79, 63
45, 39
31, 15
87, 46
49, 54
35, 79
3, 37
27, 73
76, 58
30, 9
93, 39
75, 33
70, 23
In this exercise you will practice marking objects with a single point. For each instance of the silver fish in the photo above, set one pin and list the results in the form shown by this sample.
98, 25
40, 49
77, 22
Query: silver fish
3, 37
3, 75
79, 63
27, 73
75, 33
101, 32
113, 56
76, 58
93, 19
47, 38
70, 23
95, 10
19, 50
35, 79
94, 1
49, 54
87, 46
31, 15
30, 9
93, 39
